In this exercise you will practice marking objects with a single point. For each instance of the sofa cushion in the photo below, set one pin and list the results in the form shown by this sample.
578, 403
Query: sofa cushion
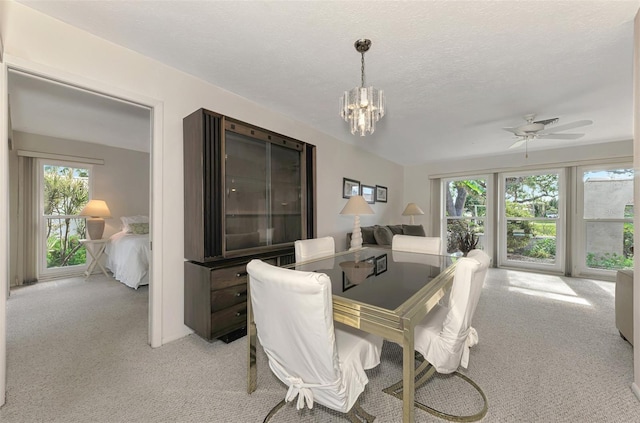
367, 235
395, 229
414, 230
383, 235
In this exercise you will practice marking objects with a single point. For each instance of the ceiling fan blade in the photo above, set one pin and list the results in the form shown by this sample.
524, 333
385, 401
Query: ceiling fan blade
518, 143
512, 130
560, 136
571, 125
547, 121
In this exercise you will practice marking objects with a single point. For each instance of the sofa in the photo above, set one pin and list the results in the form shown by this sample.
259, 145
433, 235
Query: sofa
624, 304
381, 235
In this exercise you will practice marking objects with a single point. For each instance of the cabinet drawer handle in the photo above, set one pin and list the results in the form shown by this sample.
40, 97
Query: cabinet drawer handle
241, 274
240, 294
240, 313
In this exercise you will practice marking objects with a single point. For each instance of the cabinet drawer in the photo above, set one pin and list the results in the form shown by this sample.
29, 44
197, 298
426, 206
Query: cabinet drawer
229, 276
227, 297
224, 321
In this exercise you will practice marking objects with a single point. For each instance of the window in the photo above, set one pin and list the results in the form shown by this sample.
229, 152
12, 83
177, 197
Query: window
532, 213
605, 219
465, 214
64, 192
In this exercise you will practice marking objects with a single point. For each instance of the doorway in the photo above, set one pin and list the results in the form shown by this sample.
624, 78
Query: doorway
154, 136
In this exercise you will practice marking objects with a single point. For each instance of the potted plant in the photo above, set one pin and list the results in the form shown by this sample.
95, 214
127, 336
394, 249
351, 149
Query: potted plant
462, 238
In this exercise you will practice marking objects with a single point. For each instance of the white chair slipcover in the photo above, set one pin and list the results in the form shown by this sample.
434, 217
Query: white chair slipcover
445, 335
417, 244
293, 313
307, 249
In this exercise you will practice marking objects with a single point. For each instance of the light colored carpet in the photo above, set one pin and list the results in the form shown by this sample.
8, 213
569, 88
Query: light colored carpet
77, 352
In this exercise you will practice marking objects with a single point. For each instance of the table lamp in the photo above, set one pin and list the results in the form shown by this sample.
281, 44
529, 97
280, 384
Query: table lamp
356, 206
411, 210
97, 210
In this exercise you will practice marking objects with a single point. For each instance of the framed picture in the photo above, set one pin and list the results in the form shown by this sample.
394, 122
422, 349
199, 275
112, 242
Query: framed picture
350, 187
381, 194
369, 193
381, 264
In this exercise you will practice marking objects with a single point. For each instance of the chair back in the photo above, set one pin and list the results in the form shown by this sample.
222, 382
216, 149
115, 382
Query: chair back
308, 249
293, 314
468, 281
417, 244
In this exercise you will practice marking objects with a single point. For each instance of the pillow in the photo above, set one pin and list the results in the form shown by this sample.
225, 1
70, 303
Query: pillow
396, 229
127, 220
383, 235
367, 235
413, 230
139, 228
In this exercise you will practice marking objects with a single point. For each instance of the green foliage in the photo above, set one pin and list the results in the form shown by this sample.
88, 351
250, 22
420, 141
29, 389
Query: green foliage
66, 191
542, 248
609, 261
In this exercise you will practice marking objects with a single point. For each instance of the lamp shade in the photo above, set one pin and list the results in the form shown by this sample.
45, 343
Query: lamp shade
412, 209
357, 205
96, 208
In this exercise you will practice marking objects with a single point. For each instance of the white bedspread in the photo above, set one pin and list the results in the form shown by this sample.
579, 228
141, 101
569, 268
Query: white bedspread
128, 257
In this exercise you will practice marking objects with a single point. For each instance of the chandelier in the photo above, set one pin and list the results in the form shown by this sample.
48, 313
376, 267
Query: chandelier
362, 106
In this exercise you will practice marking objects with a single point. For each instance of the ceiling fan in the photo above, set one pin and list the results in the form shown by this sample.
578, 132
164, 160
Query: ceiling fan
538, 129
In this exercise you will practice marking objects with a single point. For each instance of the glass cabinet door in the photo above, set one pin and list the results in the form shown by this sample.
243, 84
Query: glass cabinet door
262, 193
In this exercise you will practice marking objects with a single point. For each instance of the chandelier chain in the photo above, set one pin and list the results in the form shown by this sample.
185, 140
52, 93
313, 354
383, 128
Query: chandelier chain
362, 69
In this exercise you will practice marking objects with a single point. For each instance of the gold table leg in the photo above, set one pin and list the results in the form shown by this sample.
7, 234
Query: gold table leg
408, 373
252, 365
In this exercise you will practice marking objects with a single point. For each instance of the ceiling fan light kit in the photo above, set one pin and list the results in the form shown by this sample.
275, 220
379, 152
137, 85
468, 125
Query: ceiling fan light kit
537, 130
362, 106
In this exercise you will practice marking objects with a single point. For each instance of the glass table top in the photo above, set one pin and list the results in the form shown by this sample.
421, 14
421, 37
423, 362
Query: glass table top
379, 277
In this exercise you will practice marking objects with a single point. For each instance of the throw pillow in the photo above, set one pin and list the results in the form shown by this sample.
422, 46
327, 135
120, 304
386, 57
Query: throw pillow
139, 228
383, 235
367, 235
414, 230
396, 229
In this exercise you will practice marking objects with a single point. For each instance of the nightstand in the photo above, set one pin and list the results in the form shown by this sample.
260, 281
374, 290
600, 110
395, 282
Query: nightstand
95, 248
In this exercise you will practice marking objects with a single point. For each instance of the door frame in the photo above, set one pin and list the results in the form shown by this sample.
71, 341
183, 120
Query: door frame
8, 62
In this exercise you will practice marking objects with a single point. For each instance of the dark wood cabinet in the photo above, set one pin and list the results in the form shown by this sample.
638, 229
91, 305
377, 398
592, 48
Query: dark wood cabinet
248, 193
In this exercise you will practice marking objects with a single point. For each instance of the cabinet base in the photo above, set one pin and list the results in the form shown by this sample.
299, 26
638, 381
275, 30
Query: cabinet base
232, 336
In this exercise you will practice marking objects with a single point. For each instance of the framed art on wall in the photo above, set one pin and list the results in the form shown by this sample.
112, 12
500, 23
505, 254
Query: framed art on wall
369, 193
381, 194
350, 187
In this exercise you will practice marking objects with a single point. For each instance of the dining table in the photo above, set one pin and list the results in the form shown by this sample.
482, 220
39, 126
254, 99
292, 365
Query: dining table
379, 291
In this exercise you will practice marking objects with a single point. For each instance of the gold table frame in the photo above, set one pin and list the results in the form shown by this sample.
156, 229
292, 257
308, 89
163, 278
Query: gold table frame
394, 325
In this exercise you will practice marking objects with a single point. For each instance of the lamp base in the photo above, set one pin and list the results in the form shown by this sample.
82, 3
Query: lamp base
95, 227
356, 235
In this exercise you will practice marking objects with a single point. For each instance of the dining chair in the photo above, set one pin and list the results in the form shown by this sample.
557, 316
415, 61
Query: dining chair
307, 249
444, 337
293, 313
417, 244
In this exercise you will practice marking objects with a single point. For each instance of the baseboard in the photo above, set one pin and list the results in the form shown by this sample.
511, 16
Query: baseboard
636, 390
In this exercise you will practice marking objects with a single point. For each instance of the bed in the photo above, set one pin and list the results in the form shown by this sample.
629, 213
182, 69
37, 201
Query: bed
128, 257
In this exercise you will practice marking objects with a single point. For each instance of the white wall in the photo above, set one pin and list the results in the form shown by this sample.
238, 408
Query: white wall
123, 180
34, 40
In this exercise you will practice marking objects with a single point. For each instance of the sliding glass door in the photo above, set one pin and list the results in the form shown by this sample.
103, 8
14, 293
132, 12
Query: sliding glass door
532, 220
604, 220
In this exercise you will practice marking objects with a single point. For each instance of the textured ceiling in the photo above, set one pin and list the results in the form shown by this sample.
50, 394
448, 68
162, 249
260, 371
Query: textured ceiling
454, 72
